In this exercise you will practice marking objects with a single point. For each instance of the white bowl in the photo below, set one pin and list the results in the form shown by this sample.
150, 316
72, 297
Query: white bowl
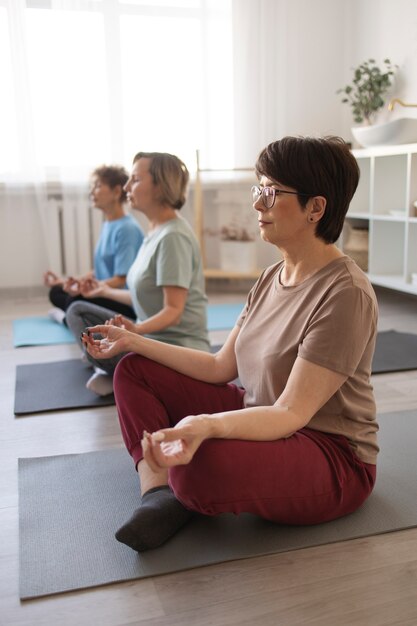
403, 130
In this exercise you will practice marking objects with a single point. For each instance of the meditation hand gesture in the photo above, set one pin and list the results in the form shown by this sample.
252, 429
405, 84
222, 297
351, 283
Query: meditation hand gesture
114, 341
122, 322
72, 286
92, 288
175, 446
50, 279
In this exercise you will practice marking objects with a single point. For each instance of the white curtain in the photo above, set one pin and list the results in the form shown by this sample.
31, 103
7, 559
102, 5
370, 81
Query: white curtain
86, 82
92, 81
260, 75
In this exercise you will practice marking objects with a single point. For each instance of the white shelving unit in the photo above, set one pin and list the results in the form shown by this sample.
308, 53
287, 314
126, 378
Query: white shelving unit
383, 203
230, 191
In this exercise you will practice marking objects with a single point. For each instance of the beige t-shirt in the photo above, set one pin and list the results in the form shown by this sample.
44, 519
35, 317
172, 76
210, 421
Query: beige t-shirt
329, 319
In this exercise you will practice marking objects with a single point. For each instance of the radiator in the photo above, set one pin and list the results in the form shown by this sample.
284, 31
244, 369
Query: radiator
72, 229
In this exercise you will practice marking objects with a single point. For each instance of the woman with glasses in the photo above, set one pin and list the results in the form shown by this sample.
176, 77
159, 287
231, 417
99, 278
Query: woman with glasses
297, 444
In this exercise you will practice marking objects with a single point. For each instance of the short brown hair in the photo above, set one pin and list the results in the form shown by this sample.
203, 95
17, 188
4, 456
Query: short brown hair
113, 175
314, 167
170, 174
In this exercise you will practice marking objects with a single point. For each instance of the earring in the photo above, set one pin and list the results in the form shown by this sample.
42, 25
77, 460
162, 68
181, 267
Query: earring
311, 219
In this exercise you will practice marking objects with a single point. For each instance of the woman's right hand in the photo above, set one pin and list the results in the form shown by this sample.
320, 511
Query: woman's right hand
114, 341
122, 322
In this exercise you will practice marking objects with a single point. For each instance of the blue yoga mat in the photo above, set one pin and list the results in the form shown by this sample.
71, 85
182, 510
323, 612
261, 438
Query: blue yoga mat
39, 331
223, 316
42, 331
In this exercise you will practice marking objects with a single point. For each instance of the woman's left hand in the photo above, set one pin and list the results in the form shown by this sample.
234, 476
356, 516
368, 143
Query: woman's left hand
72, 286
175, 446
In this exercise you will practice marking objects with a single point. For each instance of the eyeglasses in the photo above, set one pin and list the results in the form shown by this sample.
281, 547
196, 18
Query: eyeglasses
269, 194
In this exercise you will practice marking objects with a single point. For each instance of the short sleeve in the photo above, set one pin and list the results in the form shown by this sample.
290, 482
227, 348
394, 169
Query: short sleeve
174, 261
127, 243
339, 330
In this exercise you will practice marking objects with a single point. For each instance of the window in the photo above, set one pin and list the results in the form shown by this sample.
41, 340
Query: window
8, 125
67, 75
96, 81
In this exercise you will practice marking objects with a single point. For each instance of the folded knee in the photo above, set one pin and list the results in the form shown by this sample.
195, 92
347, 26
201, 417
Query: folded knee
200, 485
75, 312
128, 369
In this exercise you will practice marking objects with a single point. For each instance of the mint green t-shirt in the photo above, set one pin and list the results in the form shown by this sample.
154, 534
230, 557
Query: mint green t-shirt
170, 256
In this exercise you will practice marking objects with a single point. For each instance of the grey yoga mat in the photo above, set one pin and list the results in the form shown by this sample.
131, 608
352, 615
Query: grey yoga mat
71, 505
394, 352
54, 386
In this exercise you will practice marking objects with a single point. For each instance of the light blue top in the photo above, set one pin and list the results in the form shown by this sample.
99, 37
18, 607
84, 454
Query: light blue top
170, 256
117, 247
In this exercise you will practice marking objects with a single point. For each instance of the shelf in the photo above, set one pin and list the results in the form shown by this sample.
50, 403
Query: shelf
227, 196
385, 196
216, 273
358, 216
393, 282
378, 151
389, 218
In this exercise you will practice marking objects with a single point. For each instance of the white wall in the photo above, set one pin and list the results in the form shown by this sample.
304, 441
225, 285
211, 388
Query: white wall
291, 55
316, 40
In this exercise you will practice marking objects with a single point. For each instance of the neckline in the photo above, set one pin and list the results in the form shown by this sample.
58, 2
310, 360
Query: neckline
287, 288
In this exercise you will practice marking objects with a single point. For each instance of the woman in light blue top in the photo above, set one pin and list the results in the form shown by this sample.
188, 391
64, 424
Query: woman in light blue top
165, 282
119, 242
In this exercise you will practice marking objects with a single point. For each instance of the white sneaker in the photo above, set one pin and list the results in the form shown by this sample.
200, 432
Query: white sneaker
57, 315
100, 383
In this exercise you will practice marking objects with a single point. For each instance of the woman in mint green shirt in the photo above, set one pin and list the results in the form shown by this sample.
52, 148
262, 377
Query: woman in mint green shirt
165, 282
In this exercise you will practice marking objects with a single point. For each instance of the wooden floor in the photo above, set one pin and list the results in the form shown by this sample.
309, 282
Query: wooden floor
368, 582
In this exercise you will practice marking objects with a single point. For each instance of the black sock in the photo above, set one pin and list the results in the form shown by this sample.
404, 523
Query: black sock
159, 516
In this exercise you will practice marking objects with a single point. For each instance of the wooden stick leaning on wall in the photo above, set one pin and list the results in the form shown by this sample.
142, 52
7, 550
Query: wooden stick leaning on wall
199, 208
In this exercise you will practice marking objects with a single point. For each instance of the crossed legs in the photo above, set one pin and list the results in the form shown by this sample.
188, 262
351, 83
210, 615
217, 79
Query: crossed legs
309, 478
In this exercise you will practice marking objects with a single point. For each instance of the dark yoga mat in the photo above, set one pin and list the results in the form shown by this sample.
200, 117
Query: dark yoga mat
71, 505
54, 386
42, 387
394, 352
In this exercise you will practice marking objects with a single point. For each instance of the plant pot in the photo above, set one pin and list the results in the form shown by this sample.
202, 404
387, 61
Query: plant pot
238, 256
403, 130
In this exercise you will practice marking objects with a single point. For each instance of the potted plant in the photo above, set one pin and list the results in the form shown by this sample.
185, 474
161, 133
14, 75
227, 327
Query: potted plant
366, 93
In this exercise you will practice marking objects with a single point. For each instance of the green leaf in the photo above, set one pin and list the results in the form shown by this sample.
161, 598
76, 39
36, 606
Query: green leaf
369, 85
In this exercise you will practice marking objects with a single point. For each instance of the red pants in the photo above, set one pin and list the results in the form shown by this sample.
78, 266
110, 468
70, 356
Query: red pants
309, 478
